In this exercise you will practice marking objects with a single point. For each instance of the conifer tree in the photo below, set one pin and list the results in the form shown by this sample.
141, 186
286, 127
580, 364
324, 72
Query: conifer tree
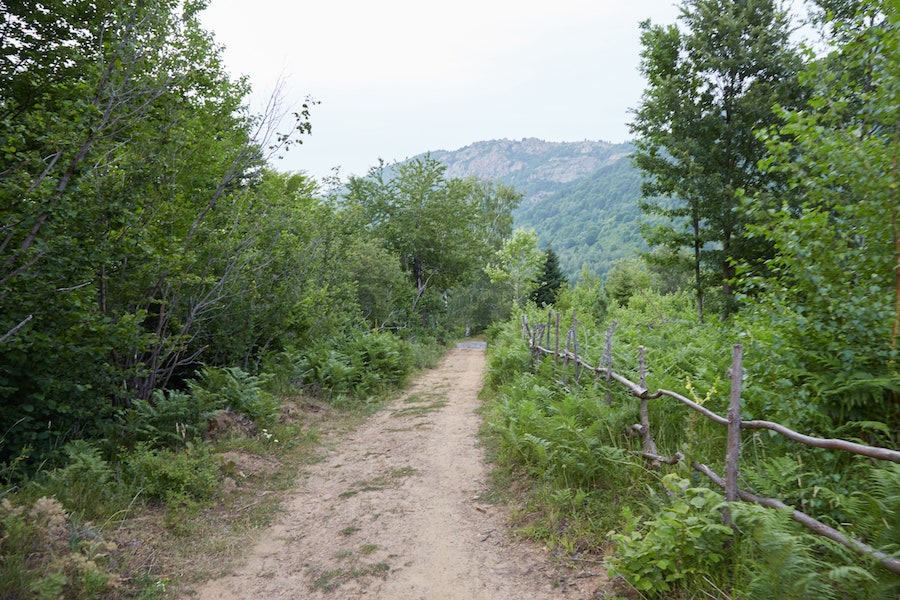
550, 280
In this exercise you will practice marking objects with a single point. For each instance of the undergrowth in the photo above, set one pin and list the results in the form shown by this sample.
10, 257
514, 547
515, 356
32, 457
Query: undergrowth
662, 530
178, 477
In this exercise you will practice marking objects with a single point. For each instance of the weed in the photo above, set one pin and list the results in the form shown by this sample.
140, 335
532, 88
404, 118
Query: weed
330, 580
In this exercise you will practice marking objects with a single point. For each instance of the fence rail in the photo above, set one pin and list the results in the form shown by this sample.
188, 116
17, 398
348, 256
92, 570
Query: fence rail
535, 336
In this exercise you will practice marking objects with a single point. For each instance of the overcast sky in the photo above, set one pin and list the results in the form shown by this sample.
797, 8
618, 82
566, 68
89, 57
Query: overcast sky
396, 78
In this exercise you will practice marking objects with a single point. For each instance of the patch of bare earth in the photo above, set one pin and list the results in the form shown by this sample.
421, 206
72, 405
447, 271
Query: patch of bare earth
393, 512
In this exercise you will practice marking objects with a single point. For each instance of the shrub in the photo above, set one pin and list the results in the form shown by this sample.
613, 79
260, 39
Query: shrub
41, 557
87, 485
682, 548
170, 418
231, 387
364, 366
170, 476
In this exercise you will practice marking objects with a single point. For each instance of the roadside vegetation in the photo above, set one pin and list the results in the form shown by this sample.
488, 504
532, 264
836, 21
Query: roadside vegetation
784, 242
180, 323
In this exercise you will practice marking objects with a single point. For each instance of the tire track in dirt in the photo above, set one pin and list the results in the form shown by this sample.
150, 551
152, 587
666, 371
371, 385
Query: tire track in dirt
393, 513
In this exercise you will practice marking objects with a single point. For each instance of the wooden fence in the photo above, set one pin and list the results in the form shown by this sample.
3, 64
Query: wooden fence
541, 333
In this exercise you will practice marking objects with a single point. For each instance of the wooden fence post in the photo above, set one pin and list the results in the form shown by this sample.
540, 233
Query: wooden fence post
649, 443
549, 326
575, 346
734, 430
607, 355
556, 349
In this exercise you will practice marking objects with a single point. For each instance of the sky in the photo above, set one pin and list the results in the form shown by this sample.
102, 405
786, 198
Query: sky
396, 78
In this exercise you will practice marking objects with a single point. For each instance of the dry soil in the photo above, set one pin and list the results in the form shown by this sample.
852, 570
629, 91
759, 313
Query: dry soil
394, 512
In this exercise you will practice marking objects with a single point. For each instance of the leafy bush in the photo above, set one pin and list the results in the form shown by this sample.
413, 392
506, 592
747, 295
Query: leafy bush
171, 476
508, 355
362, 367
87, 485
682, 548
231, 387
170, 418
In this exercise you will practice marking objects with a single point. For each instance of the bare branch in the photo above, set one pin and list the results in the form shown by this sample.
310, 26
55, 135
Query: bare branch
889, 562
13, 331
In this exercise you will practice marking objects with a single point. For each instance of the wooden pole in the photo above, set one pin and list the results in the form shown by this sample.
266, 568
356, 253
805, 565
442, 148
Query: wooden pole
650, 450
549, 326
556, 349
575, 347
607, 354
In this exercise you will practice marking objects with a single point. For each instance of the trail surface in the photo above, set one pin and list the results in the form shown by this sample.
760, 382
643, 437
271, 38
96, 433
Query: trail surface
393, 513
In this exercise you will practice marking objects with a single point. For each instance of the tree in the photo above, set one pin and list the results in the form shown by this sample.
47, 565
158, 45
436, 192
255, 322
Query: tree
125, 152
834, 281
517, 264
627, 278
440, 229
710, 86
550, 279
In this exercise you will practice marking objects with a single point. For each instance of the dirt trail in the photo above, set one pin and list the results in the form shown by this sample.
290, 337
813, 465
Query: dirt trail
393, 513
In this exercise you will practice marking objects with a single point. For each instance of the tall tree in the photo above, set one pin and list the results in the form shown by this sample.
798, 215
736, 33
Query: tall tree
441, 229
549, 280
710, 85
834, 282
517, 264
125, 149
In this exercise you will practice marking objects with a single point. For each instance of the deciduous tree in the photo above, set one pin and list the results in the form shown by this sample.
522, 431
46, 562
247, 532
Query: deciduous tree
710, 84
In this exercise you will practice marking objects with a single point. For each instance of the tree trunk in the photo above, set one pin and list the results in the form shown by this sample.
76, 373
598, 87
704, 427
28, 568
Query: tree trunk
697, 277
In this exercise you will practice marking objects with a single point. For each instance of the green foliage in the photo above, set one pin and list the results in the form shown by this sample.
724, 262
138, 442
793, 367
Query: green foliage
508, 356
173, 476
42, 558
625, 279
683, 547
833, 280
168, 418
141, 230
232, 388
440, 228
549, 281
564, 438
711, 83
364, 367
517, 264
587, 299
86, 486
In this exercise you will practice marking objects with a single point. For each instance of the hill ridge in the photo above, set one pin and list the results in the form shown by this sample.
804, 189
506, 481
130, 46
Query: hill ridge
580, 197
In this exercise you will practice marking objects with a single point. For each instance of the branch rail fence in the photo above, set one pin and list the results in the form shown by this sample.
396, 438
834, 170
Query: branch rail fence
542, 332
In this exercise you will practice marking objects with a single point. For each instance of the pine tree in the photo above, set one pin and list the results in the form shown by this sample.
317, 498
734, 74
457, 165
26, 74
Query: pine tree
550, 280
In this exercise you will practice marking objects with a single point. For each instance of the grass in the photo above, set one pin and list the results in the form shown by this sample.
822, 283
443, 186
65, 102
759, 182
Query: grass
415, 411
330, 580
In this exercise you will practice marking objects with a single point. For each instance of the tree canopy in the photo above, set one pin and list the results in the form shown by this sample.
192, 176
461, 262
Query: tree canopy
710, 84
439, 229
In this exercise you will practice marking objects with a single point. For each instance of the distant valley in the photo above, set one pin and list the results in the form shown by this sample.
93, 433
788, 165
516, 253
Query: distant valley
580, 197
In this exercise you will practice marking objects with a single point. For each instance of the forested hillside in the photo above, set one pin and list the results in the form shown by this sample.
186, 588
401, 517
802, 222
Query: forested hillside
593, 221
580, 197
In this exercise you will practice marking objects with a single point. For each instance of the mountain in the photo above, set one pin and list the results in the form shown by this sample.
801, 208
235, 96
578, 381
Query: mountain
580, 197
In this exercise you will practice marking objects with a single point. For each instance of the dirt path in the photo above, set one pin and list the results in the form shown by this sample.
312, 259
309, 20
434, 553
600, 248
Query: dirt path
393, 513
